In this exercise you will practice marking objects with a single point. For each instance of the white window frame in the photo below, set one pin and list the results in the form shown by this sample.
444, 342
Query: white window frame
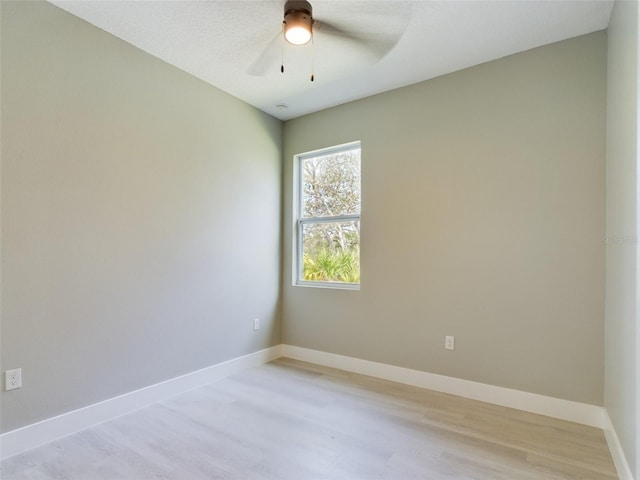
299, 221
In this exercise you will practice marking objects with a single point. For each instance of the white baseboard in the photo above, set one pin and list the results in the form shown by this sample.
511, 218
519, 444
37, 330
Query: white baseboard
619, 459
583, 413
31, 436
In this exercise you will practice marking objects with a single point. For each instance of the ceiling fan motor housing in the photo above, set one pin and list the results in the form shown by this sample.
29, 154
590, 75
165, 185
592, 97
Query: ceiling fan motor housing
298, 6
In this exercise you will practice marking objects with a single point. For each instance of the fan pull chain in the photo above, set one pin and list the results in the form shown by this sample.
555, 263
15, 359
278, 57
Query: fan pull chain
312, 56
282, 50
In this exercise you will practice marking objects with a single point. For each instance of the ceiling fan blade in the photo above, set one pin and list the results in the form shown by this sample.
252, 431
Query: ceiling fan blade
376, 44
269, 58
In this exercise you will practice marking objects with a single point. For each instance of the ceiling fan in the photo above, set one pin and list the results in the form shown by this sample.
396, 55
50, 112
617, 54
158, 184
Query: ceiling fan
299, 27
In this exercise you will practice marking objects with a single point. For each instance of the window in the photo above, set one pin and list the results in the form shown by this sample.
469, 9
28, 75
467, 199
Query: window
327, 206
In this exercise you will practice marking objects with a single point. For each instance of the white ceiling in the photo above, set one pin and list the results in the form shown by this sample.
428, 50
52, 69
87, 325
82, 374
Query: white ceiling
225, 43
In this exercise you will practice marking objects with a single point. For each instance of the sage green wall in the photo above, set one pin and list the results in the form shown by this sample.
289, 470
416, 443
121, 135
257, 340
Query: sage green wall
140, 217
621, 344
483, 217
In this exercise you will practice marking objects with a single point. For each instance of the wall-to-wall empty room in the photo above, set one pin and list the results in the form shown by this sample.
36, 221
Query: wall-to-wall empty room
147, 220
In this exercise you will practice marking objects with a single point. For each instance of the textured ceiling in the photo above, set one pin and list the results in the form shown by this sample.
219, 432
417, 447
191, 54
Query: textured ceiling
235, 46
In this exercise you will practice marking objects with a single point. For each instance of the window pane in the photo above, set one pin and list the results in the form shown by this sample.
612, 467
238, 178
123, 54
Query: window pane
331, 252
331, 184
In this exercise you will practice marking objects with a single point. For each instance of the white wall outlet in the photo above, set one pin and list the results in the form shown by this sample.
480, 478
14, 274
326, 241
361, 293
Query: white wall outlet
13, 379
449, 343
256, 324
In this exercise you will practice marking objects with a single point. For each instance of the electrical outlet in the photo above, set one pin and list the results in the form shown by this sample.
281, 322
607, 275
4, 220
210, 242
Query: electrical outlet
256, 324
449, 342
13, 379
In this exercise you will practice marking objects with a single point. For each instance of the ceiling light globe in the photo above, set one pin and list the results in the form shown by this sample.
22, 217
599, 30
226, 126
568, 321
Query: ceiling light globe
297, 35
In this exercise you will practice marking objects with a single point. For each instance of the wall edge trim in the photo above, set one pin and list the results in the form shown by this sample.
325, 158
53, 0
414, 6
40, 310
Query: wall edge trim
48, 430
31, 436
591, 415
615, 447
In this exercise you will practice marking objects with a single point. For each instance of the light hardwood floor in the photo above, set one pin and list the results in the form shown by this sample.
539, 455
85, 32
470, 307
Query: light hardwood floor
294, 420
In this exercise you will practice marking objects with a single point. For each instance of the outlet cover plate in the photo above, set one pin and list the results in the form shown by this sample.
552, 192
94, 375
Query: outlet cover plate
449, 342
13, 379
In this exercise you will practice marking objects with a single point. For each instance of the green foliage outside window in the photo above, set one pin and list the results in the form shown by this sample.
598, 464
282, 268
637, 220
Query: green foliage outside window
331, 266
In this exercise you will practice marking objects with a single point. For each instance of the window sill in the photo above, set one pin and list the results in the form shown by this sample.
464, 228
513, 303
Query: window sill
331, 285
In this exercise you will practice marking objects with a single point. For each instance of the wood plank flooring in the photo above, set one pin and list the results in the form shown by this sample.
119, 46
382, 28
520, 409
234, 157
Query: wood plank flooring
294, 420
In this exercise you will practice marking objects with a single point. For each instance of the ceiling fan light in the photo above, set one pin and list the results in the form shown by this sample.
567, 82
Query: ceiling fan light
297, 35
297, 28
